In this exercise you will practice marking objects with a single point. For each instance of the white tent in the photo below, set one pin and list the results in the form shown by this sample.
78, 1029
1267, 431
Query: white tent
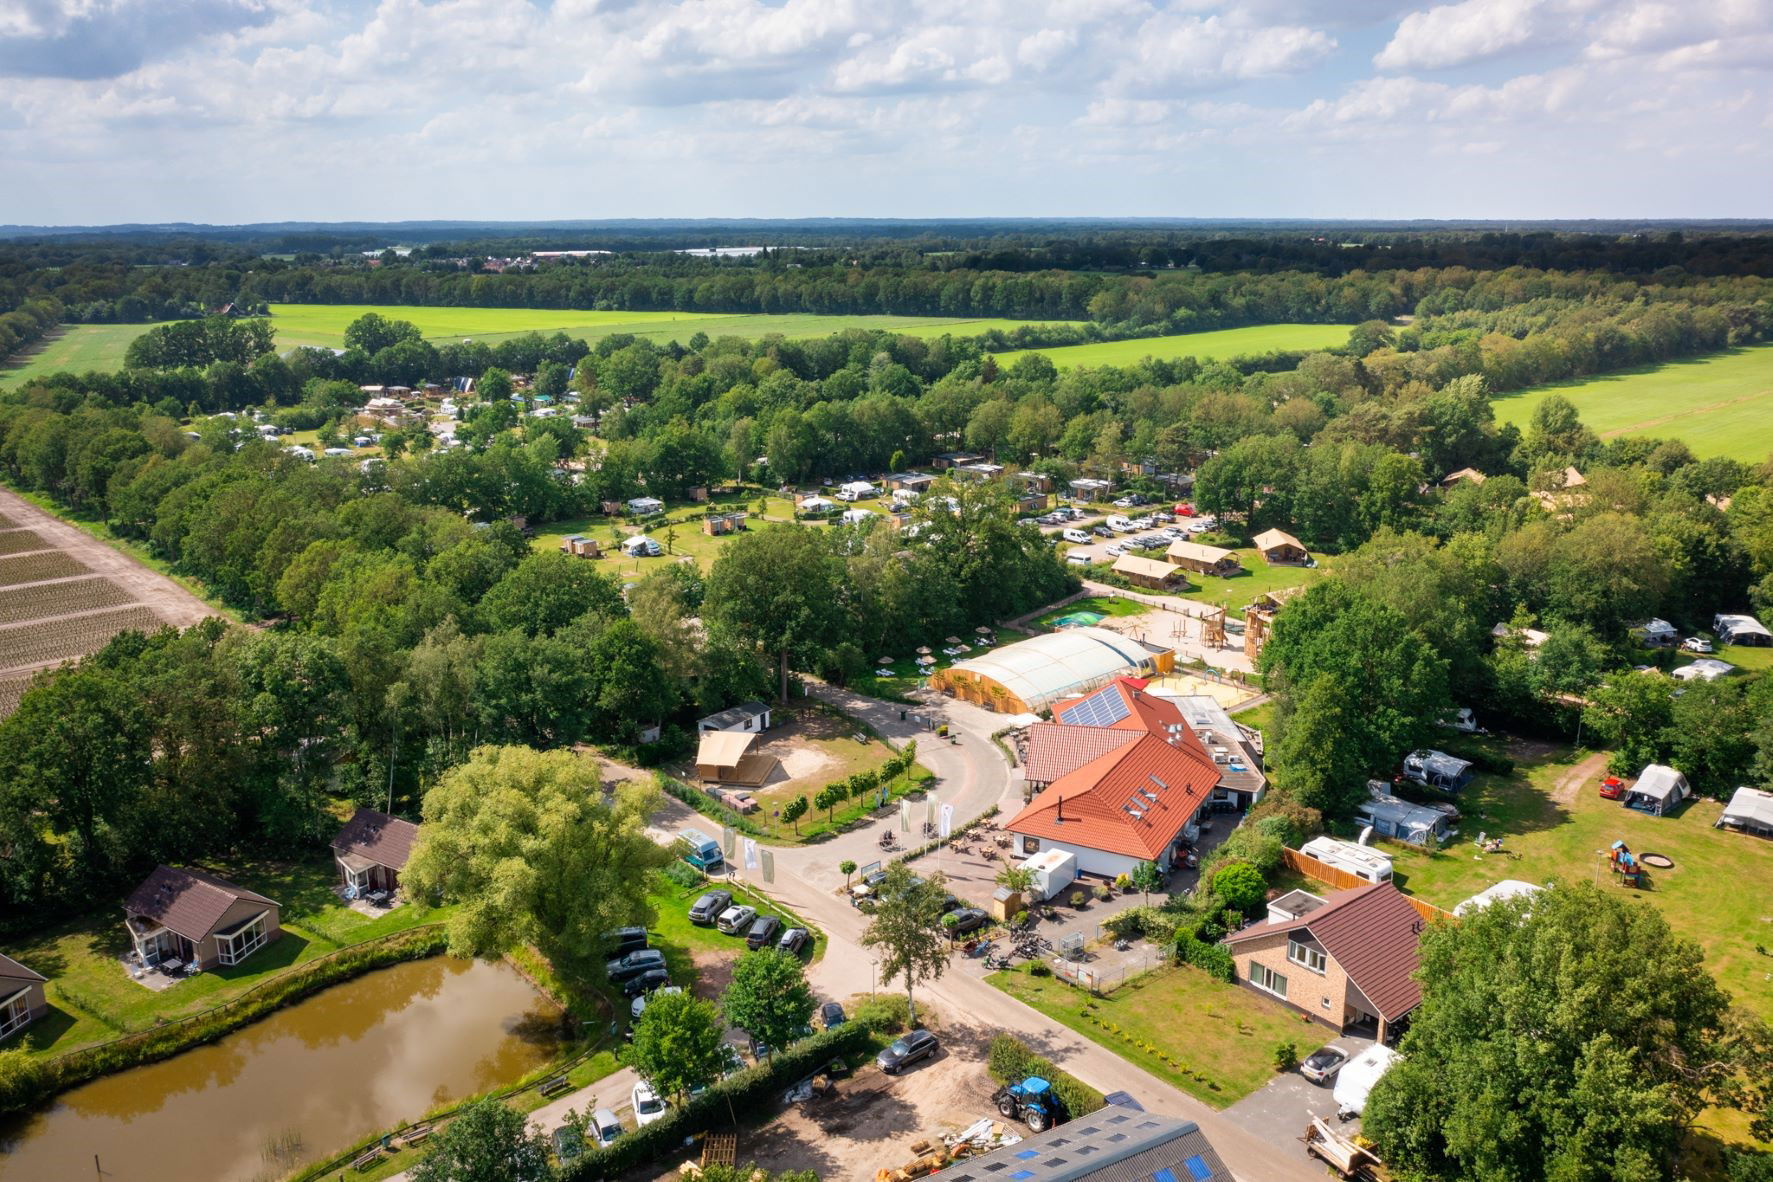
1751, 811
639, 546
1508, 888
1356, 1079
1658, 789
1705, 668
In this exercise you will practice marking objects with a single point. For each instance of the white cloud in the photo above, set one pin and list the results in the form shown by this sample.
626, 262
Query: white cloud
1454, 34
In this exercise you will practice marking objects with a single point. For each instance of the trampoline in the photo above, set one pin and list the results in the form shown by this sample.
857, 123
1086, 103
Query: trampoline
1659, 861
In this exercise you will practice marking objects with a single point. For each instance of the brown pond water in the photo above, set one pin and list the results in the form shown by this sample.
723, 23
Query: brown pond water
305, 1082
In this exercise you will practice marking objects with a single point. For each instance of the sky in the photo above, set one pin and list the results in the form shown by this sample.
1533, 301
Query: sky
231, 111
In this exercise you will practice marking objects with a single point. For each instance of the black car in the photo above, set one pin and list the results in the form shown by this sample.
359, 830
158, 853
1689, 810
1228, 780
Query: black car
793, 940
621, 968
967, 919
707, 908
647, 981
919, 1044
831, 1015
763, 930
623, 941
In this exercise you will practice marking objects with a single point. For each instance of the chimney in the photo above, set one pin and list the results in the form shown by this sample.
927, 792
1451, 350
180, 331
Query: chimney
1061, 816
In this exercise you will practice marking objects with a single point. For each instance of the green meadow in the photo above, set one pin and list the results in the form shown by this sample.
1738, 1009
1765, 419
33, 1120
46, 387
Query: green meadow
73, 349
1252, 341
1721, 405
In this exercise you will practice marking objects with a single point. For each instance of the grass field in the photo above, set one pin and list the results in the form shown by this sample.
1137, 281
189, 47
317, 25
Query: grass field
1223, 1051
1720, 405
74, 349
1229, 342
1552, 822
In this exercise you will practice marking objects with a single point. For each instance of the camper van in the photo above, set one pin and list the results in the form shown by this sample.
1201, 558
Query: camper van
1119, 524
704, 852
1362, 861
1078, 537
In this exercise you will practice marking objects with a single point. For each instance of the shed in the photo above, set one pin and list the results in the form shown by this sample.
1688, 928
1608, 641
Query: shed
913, 482
746, 716
720, 524
1149, 572
1750, 811
580, 546
1204, 559
1281, 548
1658, 789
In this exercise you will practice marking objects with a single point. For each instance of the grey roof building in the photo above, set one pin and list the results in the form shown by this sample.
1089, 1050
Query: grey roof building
1115, 1144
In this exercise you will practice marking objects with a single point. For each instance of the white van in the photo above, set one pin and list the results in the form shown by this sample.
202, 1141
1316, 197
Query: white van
1078, 559
1078, 536
1119, 524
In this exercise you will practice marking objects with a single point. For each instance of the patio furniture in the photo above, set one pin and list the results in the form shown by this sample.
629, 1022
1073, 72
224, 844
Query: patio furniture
555, 1086
171, 965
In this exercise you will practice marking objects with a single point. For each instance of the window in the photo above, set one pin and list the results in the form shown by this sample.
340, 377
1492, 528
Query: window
241, 943
1265, 978
1198, 1168
1307, 956
16, 1012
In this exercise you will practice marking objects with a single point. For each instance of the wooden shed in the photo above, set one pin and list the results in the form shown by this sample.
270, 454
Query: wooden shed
580, 546
1204, 559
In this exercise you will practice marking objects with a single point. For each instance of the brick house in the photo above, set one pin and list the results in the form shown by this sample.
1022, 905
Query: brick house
1345, 960
196, 918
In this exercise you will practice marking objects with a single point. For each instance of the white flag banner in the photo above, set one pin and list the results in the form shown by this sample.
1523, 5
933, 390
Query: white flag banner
904, 816
947, 824
750, 854
929, 810
769, 866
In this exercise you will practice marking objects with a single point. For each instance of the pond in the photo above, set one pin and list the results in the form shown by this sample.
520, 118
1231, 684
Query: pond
303, 1083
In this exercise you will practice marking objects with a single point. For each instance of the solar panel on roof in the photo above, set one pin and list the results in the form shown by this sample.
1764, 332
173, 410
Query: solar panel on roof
1164, 1175
1198, 1168
1103, 708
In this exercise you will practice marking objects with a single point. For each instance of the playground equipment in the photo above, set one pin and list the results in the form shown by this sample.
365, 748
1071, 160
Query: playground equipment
1625, 865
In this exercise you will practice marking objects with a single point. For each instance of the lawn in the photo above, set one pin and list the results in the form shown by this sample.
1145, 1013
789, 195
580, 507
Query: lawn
75, 348
1553, 823
679, 533
93, 999
1721, 405
680, 939
1101, 605
1213, 1040
1208, 346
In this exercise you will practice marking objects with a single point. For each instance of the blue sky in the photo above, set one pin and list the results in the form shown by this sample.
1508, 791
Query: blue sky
257, 110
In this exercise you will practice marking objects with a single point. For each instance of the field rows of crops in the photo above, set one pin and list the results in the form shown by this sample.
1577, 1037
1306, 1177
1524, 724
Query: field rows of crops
83, 595
70, 636
31, 568
20, 541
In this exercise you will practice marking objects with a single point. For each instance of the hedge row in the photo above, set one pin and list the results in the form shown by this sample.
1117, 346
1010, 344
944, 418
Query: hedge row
1214, 959
707, 805
1011, 1061
755, 1091
26, 1081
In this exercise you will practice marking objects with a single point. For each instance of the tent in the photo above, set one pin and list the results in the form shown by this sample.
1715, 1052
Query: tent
1705, 668
1391, 817
1658, 789
1438, 770
1508, 888
1751, 811
1356, 1079
718, 753
639, 546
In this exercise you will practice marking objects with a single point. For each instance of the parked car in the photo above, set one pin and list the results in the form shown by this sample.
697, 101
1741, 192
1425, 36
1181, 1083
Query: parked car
632, 964
1102, 531
967, 919
1321, 1066
1612, 788
831, 1015
706, 909
624, 940
605, 1128
646, 982
909, 1049
762, 931
734, 920
1696, 644
638, 1006
794, 939
1076, 536
1077, 559
648, 1105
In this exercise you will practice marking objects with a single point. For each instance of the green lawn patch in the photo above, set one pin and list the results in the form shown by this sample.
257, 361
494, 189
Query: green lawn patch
672, 931
1553, 823
1096, 605
1214, 1041
678, 532
93, 999
1253, 341
74, 348
1721, 405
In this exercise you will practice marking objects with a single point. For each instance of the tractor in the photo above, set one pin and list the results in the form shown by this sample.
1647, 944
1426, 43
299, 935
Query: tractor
1032, 1102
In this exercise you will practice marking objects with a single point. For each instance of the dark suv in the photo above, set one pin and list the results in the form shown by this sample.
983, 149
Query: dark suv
919, 1044
706, 909
622, 968
623, 941
763, 930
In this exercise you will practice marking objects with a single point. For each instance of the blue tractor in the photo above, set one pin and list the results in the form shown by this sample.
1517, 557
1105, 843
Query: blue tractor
1032, 1102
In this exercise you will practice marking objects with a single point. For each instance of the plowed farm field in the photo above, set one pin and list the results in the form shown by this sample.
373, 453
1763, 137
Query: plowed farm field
64, 593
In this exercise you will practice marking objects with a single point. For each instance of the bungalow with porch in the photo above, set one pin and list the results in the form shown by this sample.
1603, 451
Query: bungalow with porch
911, 482
1346, 960
185, 915
372, 849
1149, 572
21, 997
1203, 559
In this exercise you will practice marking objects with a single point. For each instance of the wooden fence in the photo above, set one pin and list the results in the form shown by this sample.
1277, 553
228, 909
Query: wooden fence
1341, 880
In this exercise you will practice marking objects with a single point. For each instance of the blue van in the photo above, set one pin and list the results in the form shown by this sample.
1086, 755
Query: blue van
704, 851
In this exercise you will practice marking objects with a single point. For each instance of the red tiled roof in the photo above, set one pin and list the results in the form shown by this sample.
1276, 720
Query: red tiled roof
1141, 711
1373, 933
189, 902
1055, 751
1088, 806
384, 840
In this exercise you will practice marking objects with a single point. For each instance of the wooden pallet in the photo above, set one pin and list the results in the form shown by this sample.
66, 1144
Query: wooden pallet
720, 1149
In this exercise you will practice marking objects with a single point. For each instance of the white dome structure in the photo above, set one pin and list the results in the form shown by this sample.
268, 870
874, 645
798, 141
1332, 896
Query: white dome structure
1030, 675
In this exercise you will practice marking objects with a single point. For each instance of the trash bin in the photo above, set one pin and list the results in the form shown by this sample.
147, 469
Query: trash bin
901, 716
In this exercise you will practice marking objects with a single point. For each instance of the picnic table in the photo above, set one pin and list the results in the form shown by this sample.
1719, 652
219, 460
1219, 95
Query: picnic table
170, 965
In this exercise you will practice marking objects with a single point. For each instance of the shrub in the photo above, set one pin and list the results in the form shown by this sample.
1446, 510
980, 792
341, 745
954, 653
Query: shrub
752, 1091
683, 874
1103, 892
1275, 810
1123, 882
1040, 968
1241, 886
21, 1079
705, 804
1127, 924
1010, 1060
886, 1013
1212, 959
1286, 1055
1078, 898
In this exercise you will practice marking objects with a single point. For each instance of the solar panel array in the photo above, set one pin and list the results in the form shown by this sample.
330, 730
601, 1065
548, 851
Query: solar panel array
1105, 707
